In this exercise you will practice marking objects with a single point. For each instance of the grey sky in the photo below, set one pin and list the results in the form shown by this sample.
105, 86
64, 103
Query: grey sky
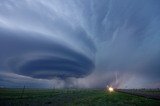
80, 43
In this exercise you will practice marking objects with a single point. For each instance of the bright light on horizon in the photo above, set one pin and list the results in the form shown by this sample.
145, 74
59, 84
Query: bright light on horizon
110, 89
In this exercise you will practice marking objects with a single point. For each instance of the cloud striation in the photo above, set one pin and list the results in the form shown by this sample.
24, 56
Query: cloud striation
80, 43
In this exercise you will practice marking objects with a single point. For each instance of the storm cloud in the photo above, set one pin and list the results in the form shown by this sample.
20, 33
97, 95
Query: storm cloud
41, 57
80, 43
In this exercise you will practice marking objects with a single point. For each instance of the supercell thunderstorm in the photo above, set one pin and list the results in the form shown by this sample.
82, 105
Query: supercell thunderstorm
80, 43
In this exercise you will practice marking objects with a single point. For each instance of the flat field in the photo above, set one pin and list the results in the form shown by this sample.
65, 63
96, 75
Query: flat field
147, 93
71, 97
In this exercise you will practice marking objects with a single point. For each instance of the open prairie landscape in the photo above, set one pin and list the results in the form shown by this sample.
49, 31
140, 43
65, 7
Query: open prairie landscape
71, 97
79, 52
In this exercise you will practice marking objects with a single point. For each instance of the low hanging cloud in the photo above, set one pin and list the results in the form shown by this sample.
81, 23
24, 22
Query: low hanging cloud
81, 43
43, 44
42, 58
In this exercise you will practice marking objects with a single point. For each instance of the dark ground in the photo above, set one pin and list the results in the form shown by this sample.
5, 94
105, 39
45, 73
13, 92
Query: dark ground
147, 93
83, 97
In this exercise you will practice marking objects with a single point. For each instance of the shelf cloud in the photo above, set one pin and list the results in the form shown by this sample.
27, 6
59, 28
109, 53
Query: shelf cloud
80, 43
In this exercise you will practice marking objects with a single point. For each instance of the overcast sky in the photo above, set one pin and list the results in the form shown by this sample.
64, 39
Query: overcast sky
80, 43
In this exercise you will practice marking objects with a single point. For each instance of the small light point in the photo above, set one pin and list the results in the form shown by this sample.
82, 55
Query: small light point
110, 89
